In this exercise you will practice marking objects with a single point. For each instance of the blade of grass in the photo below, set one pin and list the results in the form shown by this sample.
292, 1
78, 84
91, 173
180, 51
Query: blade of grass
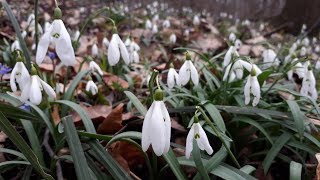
295, 170
79, 160
16, 138
174, 165
298, 117
198, 162
136, 102
74, 84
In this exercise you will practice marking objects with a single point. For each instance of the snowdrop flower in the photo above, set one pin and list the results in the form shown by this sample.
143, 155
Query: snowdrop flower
46, 26
303, 28
196, 132
173, 77
261, 27
309, 85
156, 128
317, 49
117, 47
148, 25
155, 18
317, 64
33, 88
173, 38
91, 87
234, 71
59, 36
31, 18
20, 75
293, 48
105, 42
95, 67
227, 58
252, 86
166, 24
306, 41
188, 71
186, 32
154, 28
127, 42
94, 50
298, 68
232, 37
15, 45
133, 49
237, 44
314, 40
196, 20
270, 58
303, 51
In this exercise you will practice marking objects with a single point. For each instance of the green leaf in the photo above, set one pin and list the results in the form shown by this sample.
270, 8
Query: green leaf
16, 113
87, 122
13, 152
215, 116
198, 162
128, 134
16, 138
297, 116
74, 84
106, 159
174, 165
248, 169
33, 139
136, 102
17, 29
79, 159
275, 149
255, 124
295, 170
263, 77
95, 136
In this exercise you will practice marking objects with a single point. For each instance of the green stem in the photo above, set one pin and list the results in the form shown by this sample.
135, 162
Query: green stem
274, 83
36, 23
155, 164
219, 136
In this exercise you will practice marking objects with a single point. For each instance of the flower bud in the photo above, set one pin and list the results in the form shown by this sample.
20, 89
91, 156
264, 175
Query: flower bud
57, 13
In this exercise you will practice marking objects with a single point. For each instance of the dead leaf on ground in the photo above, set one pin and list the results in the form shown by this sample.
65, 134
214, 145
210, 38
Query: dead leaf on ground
55, 114
318, 167
256, 40
209, 42
112, 81
113, 122
244, 50
257, 50
96, 113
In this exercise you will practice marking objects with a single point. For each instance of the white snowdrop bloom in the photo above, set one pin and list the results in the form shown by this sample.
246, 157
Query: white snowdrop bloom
127, 42
91, 87
196, 20
154, 28
187, 72
15, 45
228, 56
293, 48
33, 88
59, 36
148, 25
166, 24
314, 40
134, 57
24, 34
117, 47
95, 67
20, 75
173, 78
155, 18
303, 51
133, 49
298, 68
261, 27
94, 50
46, 26
317, 66
317, 49
252, 86
234, 71
76, 35
31, 18
186, 32
32, 28
105, 42
230, 73
232, 37
246, 22
173, 38
196, 132
270, 58
306, 41
303, 28
156, 128
309, 85
237, 44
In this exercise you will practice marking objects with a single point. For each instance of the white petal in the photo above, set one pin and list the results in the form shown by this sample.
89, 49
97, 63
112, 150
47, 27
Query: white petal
35, 91
228, 56
47, 88
184, 73
135, 57
113, 51
167, 125
177, 78
43, 47
13, 78
189, 142
147, 129
105, 42
194, 74
25, 94
227, 72
158, 130
64, 47
95, 67
94, 50
204, 139
170, 78
255, 88
123, 51
247, 91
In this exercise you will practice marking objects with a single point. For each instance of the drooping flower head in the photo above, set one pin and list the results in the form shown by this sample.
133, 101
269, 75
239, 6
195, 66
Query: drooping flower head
117, 48
188, 71
58, 35
95, 67
91, 87
252, 87
19, 74
309, 84
173, 77
156, 128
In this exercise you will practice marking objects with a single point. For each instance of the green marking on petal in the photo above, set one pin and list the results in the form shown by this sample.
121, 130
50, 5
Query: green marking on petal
196, 136
56, 35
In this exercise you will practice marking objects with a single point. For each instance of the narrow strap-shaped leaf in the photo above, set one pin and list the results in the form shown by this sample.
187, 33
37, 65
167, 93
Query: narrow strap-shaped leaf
16, 113
174, 165
215, 116
79, 159
275, 149
106, 159
13, 152
17, 29
295, 170
298, 117
248, 169
87, 122
136, 102
74, 84
16, 138
196, 155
